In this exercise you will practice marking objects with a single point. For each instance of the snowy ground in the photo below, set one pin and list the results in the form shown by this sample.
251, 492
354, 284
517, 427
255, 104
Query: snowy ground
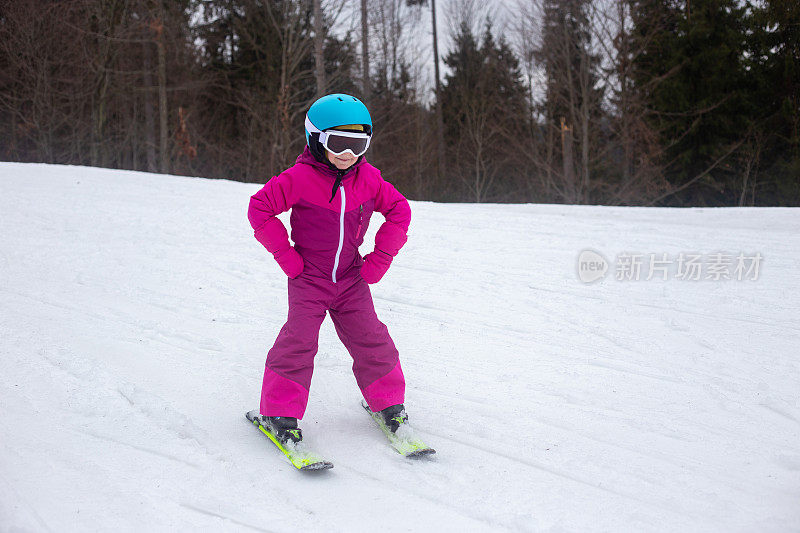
136, 311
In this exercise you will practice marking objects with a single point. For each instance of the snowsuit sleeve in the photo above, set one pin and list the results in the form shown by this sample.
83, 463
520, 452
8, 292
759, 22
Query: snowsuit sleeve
391, 235
276, 197
391, 204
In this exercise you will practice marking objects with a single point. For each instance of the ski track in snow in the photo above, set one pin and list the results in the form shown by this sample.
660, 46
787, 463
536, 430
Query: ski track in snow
137, 310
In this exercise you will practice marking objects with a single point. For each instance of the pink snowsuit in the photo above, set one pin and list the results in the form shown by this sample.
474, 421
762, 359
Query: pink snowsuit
325, 276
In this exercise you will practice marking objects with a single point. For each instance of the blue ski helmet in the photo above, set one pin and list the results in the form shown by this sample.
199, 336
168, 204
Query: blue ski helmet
335, 110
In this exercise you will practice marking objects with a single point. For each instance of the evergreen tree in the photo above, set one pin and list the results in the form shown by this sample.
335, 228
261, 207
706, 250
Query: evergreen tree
485, 110
699, 106
774, 61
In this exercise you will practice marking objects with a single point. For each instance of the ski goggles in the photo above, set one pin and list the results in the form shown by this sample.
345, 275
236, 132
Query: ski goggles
338, 142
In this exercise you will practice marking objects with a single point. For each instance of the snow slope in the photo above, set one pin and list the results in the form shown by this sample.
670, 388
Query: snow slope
136, 311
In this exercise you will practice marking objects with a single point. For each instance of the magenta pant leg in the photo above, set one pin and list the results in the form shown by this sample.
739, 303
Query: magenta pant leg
376, 364
290, 362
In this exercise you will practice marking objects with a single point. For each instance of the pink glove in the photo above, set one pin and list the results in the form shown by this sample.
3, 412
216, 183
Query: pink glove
290, 261
375, 266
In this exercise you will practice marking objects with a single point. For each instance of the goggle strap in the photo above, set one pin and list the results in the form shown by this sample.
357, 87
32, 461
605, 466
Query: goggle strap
311, 128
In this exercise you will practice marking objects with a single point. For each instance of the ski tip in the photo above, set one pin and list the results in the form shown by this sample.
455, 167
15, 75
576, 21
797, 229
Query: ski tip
421, 453
322, 465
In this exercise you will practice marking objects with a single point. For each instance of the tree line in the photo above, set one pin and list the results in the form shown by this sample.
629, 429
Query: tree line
624, 102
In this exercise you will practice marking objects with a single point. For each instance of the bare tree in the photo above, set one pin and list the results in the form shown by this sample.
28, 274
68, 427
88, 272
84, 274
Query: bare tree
366, 88
319, 47
640, 174
485, 104
43, 89
149, 119
158, 28
442, 163
397, 61
750, 156
557, 43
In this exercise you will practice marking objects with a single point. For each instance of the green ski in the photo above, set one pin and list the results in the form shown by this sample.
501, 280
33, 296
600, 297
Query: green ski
404, 440
301, 457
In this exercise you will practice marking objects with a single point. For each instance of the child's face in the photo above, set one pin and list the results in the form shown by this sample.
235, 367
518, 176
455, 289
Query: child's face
342, 161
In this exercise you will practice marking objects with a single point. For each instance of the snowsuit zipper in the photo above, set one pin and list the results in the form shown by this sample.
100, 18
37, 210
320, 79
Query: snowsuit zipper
341, 236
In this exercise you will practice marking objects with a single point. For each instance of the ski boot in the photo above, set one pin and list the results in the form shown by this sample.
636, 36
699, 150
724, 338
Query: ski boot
284, 428
394, 416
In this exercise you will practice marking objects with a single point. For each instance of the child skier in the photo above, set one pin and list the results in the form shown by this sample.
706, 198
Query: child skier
332, 192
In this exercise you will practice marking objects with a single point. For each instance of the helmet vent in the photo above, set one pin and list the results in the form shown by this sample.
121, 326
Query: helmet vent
340, 99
